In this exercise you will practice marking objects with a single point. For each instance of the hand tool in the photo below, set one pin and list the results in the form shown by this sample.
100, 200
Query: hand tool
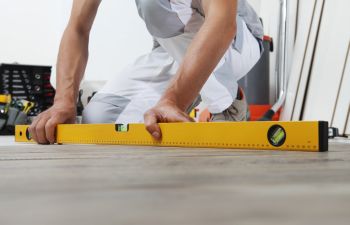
267, 135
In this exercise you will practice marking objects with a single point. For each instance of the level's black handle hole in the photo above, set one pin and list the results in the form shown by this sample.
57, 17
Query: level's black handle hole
20, 133
28, 135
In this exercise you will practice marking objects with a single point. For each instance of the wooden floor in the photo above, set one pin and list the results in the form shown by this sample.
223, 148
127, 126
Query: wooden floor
147, 186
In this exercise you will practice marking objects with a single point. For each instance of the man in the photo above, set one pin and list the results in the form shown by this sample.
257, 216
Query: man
201, 49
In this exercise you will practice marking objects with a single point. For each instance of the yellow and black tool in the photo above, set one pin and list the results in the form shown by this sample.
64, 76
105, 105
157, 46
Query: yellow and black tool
4, 98
5, 101
296, 136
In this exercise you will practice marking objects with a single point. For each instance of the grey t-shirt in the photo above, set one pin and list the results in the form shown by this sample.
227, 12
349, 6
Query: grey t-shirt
245, 11
165, 18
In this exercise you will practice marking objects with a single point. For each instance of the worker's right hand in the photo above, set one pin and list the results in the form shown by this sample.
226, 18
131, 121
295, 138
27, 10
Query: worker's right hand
44, 125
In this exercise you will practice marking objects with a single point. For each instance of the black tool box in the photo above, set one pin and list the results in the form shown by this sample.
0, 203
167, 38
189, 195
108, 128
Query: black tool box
28, 82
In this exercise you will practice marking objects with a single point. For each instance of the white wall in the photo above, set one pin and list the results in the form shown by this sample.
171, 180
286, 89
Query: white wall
118, 37
31, 31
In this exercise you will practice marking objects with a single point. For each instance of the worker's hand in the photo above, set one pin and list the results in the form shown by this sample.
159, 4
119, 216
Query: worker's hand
163, 112
43, 127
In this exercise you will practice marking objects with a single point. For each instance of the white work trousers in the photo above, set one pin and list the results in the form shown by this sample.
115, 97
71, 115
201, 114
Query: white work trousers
127, 96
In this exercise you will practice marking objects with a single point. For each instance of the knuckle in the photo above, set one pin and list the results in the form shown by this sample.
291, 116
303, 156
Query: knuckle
51, 122
55, 114
39, 128
48, 126
147, 114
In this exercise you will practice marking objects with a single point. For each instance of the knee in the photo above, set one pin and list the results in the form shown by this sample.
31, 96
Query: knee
104, 108
96, 112
160, 19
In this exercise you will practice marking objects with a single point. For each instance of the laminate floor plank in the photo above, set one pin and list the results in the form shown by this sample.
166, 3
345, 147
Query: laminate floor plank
87, 184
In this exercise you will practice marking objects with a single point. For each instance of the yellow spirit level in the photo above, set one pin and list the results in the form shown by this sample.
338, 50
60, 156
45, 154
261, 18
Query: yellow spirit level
296, 136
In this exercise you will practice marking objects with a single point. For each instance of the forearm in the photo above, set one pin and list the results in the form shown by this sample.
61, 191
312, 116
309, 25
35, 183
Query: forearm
73, 52
203, 55
71, 64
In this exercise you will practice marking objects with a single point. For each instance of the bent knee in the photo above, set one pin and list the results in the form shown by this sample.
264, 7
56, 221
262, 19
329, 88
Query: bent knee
96, 112
104, 108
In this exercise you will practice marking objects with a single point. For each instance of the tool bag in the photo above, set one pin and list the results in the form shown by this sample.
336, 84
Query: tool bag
13, 112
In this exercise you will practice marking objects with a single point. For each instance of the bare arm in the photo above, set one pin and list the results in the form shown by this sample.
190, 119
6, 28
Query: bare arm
71, 64
204, 53
73, 52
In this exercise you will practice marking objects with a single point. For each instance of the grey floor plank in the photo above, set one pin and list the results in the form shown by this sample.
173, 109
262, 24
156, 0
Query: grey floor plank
145, 185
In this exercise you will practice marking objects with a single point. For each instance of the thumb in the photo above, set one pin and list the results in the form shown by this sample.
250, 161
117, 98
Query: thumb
151, 123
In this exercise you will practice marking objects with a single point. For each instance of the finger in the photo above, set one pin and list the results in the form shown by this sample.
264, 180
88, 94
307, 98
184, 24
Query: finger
40, 131
32, 128
151, 123
50, 130
51, 125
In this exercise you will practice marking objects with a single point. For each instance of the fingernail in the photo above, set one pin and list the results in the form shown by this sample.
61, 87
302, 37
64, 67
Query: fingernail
156, 135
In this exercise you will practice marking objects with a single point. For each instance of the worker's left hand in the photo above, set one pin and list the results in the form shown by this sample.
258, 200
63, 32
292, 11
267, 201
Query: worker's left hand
163, 112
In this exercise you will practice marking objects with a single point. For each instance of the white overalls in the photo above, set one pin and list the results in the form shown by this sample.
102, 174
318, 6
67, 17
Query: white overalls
173, 25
